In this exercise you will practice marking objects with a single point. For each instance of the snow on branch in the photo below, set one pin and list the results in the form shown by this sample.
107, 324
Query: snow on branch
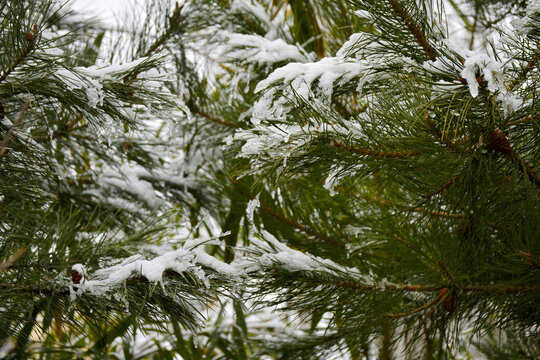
190, 258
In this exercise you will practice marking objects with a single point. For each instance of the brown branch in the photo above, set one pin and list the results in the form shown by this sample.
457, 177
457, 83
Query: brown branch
375, 153
500, 143
31, 38
35, 290
415, 29
6, 140
394, 205
212, 118
174, 21
523, 120
434, 128
291, 223
521, 76
423, 307
429, 288
421, 210
300, 227
445, 186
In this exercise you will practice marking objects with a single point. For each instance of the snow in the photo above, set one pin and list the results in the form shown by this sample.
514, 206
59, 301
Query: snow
331, 179
259, 49
80, 269
296, 80
531, 21
490, 70
276, 252
251, 206
184, 259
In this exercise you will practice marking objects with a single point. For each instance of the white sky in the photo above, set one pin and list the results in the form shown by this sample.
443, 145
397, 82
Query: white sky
105, 9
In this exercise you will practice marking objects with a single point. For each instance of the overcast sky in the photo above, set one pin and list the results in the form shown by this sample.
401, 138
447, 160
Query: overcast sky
106, 9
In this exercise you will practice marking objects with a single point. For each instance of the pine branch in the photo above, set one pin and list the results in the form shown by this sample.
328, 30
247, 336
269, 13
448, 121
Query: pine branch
423, 307
291, 223
445, 186
415, 29
34, 290
31, 38
434, 128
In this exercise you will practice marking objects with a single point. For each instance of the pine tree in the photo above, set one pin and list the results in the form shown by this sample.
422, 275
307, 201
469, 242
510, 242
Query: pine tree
303, 179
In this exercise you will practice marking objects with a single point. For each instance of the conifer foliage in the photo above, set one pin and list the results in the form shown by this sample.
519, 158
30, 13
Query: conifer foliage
259, 179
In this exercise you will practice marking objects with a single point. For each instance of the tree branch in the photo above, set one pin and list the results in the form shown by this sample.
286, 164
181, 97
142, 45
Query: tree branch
415, 29
31, 38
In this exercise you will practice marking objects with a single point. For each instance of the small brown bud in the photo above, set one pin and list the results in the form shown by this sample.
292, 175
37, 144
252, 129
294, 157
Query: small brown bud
449, 302
499, 142
76, 277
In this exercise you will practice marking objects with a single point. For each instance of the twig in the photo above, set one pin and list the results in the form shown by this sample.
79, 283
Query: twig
300, 227
523, 120
31, 39
174, 21
473, 26
524, 72
288, 221
434, 128
430, 288
423, 307
9, 262
415, 29
375, 153
7, 138
500, 143
402, 206
445, 186
205, 115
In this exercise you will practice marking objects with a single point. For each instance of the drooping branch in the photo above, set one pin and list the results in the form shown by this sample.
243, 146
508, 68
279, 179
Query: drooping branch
31, 38
194, 108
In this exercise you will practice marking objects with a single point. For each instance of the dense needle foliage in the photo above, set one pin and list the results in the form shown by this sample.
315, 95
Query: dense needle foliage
260, 179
